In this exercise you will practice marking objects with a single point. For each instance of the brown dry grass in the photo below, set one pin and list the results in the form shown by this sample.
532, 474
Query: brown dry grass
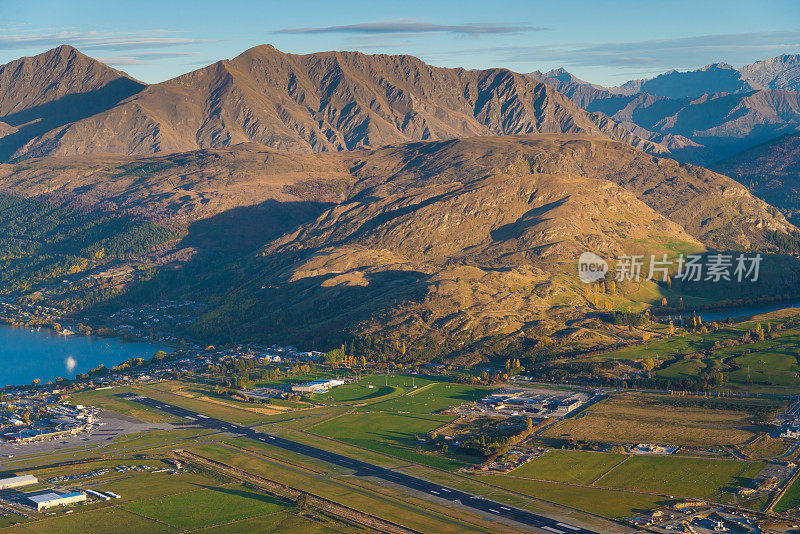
628, 418
180, 389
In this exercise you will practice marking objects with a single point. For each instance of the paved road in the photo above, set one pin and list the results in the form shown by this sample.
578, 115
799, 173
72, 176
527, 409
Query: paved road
491, 509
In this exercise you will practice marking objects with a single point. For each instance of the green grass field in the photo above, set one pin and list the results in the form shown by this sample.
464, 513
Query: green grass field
109, 520
790, 499
770, 366
690, 477
208, 506
106, 399
356, 392
779, 368
240, 510
570, 466
393, 415
683, 369
392, 434
667, 475
153, 485
382, 387
155, 502
432, 398
399, 507
603, 502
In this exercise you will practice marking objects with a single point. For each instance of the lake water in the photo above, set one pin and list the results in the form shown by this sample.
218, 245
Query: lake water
734, 313
27, 354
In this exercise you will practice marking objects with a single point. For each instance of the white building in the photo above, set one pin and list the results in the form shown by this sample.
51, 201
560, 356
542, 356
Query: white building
44, 501
317, 386
17, 482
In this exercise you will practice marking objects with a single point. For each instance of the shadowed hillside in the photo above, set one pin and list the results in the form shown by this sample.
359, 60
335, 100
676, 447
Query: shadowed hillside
40, 93
477, 237
771, 171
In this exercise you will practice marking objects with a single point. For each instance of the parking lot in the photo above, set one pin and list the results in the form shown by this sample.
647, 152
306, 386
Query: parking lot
111, 425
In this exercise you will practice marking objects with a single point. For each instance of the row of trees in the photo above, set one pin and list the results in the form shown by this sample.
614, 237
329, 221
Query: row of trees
492, 447
242, 373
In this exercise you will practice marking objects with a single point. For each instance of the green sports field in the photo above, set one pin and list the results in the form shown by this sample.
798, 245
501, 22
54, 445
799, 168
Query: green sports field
433, 398
576, 467
661, 475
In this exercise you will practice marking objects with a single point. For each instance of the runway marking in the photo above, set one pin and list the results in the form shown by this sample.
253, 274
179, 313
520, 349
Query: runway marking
405, 480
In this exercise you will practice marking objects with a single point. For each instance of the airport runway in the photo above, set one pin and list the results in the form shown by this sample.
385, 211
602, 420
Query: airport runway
490, 509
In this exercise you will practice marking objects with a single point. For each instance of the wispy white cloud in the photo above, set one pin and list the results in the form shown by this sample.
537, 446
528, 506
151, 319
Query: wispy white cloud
142, 59
414, 27
657, 53
93, 40
121, 61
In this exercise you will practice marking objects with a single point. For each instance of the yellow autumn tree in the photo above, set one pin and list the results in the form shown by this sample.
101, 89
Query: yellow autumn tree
648, 365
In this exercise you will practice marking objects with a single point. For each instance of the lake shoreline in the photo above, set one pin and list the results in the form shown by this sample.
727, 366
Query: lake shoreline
33, 352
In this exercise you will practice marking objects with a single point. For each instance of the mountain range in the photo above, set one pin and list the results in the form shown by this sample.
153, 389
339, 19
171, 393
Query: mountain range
340, 194
781, 72
62, 102
701, 116
318, 102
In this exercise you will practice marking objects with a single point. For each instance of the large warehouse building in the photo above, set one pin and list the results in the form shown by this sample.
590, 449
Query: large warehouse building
50, 499
18, 482
316, 386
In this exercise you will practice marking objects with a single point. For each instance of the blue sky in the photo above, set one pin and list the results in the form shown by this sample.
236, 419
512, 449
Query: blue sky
606, 42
